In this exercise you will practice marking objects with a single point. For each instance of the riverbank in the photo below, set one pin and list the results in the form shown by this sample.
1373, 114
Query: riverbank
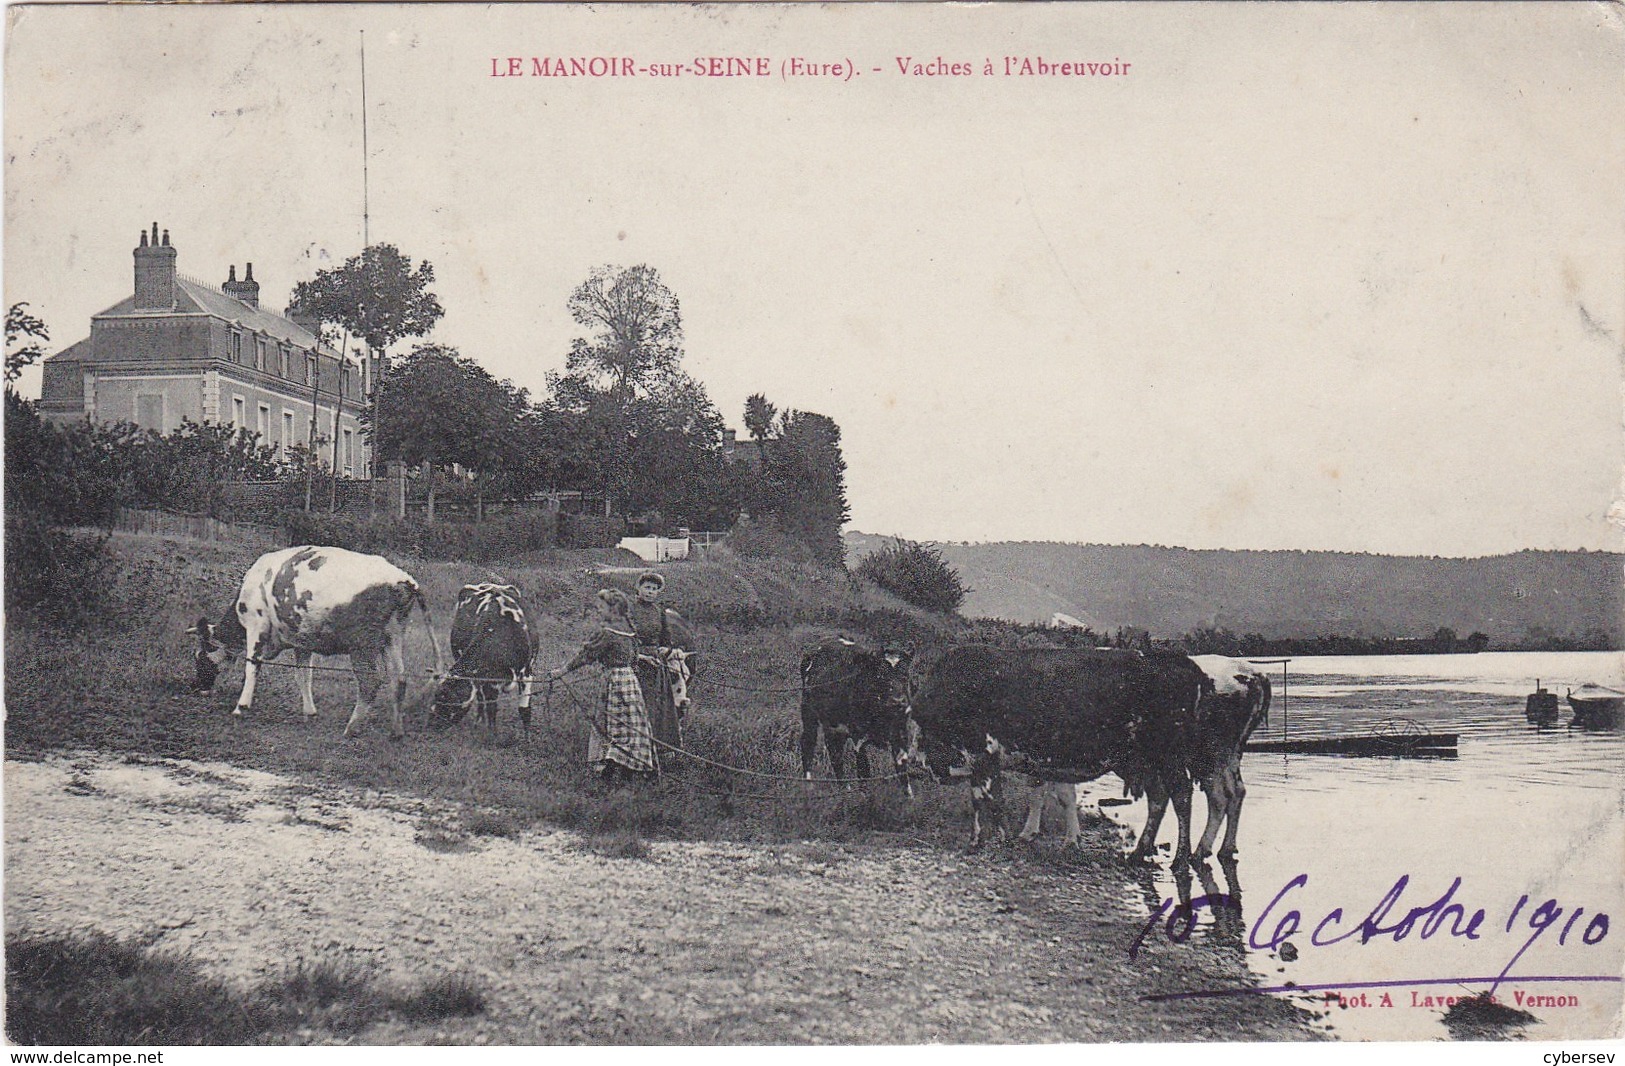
245, 872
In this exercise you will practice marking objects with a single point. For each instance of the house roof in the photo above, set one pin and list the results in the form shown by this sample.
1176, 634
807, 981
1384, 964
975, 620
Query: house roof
193, 297
74, 352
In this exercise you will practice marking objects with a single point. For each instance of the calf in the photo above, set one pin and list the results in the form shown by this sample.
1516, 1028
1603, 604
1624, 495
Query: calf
327, 601
1065, 795
492, 648
852, 691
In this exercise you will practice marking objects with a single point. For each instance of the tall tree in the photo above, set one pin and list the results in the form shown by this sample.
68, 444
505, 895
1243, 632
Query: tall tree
805, 474
445, 408
376, 296
25, 340
759, 417
637, 330
659, 433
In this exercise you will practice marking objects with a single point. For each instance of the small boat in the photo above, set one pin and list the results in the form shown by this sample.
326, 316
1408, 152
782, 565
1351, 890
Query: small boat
1541, 706
1596, 706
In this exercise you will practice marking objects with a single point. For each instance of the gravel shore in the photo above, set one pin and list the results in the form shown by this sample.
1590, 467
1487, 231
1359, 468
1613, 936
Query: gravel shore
685, 942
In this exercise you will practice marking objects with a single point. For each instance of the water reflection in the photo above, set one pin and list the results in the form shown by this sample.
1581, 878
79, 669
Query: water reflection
1525, 808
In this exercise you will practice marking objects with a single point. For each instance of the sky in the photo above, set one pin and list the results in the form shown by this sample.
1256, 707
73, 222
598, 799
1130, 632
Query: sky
1344, 277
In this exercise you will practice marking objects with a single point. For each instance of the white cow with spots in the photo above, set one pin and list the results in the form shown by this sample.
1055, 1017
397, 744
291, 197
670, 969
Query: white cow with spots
327, 601
1240, 703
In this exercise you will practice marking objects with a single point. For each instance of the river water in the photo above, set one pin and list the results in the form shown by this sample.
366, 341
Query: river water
1519, 812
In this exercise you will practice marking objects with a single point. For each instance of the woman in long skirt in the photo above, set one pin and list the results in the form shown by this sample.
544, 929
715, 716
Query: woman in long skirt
621, 739
661, 632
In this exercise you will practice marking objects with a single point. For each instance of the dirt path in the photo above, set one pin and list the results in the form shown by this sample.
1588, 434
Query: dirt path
696, 943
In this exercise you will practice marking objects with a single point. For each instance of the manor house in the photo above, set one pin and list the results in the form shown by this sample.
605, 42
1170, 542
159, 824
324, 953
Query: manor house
179, 348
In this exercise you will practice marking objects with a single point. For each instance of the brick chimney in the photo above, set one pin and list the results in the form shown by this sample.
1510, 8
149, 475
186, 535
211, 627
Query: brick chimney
154, 273
247, 290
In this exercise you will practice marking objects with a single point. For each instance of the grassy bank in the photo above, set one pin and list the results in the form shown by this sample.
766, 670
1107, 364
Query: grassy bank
98, 990
123, 685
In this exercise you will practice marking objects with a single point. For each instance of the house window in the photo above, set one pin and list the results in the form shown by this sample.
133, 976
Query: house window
344, 380
282, 359
239, 412
236, 347
287, 432
349, 453
149, 411
265, 424
259, 353
310, 368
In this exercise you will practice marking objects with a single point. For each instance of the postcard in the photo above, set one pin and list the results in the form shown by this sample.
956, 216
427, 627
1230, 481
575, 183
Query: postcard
856, 524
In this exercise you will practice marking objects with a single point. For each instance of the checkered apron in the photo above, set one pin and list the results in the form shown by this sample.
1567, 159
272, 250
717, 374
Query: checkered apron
622, 733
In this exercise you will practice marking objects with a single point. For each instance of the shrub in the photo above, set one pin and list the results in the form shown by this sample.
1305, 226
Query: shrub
590, 530
58, 574
915, 573
762, 539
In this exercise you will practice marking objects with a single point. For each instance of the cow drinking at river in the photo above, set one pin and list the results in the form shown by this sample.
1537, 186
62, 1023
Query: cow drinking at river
491, 649
327, 601
857, 692
1073, 714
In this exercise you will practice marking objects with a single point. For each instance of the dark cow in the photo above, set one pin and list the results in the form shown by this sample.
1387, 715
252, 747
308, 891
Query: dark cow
491, 649
327, 601
1073, 714
855, 692
210, 654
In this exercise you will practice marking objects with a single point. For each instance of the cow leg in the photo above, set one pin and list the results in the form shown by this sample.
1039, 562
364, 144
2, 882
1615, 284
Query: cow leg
367, 683
1238, 793
397, 663
257, 651
525, 686
809, 745
986, 797
304, 675
1036, 801
898, 765
1156, 805
1216, 787
1068, 796
488, 705
1182, 811
835, 744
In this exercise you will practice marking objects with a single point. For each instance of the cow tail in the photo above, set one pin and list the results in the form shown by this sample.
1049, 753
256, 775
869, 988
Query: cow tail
434, 640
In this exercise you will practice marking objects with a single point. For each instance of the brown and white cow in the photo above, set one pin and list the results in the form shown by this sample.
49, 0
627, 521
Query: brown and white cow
327, 601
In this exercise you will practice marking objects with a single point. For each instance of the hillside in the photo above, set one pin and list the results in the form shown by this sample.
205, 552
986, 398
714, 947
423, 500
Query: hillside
1288, 593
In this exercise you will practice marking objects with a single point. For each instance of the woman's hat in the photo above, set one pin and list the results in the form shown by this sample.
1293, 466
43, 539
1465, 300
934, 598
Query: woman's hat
651, 576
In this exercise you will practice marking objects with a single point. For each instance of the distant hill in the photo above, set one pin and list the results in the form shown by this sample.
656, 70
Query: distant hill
1278, 594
